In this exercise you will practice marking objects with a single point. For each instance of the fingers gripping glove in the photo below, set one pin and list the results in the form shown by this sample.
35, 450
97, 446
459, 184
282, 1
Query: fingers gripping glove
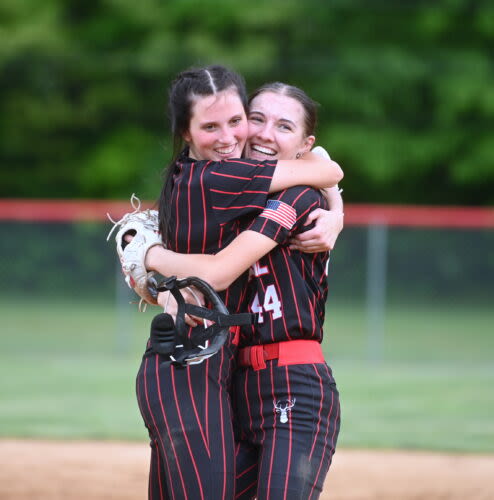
188, 346
143, 226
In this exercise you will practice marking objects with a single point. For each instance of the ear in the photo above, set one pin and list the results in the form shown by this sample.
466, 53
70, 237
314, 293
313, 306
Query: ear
186, 136
308, 143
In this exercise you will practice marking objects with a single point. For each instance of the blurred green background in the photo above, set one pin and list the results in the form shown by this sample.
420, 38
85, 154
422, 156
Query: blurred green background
406, 89
407, 108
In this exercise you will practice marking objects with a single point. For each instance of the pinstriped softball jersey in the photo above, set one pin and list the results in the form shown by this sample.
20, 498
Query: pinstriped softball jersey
288, 417
187, 410
289, 288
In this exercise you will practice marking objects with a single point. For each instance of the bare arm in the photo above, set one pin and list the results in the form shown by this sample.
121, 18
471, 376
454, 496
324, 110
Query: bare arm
335, 200
219, 270
311, 170
222, 269
328, 225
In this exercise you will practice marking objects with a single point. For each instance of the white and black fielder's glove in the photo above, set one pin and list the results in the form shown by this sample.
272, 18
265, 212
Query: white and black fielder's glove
143, 226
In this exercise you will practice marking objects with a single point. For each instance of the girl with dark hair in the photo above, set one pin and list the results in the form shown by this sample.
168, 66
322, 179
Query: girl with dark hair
285, 398
208, 192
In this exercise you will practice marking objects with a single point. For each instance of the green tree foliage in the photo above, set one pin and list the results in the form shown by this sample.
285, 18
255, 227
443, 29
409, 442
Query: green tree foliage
406, 89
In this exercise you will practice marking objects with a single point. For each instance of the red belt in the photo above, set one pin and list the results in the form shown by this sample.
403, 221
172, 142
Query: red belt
292, 352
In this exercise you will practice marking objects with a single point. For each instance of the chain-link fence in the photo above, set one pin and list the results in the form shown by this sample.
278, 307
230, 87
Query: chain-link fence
394, 292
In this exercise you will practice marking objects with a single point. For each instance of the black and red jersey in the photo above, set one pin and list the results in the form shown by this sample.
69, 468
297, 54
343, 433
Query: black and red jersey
209, 201
187, 410
288, 288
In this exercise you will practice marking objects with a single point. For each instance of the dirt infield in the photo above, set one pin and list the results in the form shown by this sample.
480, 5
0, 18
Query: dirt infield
49, 470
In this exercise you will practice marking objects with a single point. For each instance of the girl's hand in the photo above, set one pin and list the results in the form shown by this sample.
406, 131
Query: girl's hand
322, 237
170, 306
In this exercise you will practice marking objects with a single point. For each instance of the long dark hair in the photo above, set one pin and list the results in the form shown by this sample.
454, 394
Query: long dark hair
187, 86
310, 106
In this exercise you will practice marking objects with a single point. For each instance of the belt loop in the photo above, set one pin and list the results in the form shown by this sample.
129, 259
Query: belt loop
257, 357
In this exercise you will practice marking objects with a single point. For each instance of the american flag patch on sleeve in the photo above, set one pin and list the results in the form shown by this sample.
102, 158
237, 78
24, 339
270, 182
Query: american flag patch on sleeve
280, 212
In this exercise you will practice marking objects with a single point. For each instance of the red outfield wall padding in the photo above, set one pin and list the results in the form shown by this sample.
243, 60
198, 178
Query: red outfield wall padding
421, 216
64, 210
355, 214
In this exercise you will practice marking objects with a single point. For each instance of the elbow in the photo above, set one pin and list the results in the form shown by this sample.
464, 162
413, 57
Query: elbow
336, 176
339, 173
332, 175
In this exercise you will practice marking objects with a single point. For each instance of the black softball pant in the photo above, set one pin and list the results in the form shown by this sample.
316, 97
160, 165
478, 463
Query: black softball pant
187, 411
288, 420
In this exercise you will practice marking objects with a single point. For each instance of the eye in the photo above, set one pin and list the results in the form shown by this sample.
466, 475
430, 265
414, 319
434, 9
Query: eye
285, 127
255, 118
209, 127
236, 121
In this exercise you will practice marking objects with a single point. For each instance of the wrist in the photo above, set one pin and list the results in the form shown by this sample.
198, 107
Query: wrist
153, 256
337, 212
338, 217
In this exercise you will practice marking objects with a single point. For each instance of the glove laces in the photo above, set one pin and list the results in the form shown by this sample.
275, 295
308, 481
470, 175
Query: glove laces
136, 205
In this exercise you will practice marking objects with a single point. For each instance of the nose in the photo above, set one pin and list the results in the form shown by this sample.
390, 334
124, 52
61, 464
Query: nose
227, 136
265, 133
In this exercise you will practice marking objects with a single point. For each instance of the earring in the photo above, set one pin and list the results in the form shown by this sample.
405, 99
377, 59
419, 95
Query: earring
298, 155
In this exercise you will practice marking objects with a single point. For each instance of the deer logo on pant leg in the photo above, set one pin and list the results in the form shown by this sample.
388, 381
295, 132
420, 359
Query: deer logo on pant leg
283, 407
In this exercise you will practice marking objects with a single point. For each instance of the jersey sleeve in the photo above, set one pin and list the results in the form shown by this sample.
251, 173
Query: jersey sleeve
238, 187
286, 212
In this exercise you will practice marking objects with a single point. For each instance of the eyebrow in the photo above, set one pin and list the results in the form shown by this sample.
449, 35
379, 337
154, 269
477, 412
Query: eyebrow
286, 120
210, 122
214, 122
283, 120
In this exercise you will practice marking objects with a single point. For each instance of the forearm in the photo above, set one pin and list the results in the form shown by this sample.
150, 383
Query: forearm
170, 263
328, 225
218, 270
334, 198
311, 170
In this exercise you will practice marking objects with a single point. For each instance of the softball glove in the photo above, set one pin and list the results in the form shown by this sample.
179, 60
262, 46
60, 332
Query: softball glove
143, 226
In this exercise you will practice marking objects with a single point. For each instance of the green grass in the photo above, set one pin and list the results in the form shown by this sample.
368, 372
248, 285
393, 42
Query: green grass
416, 406
67, 370
414, 332
70, 397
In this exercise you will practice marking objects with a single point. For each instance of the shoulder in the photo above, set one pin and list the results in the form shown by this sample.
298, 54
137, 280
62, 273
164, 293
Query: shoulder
241, 169
185, 161
242, 163
304, 194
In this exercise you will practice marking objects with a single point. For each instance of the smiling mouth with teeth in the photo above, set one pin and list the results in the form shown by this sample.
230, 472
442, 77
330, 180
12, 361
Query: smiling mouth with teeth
226, 151
263, 150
